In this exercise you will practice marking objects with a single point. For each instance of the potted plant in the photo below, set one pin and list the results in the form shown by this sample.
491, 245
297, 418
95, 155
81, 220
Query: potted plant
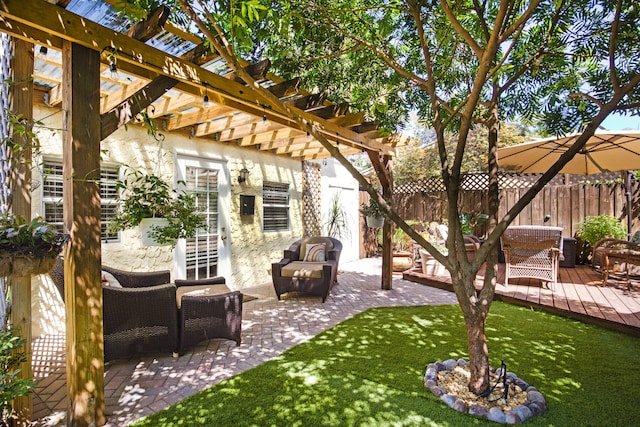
469, 222
28, 247
434, 233
163, 214
402, 250
594, 228
430, 265
373, 214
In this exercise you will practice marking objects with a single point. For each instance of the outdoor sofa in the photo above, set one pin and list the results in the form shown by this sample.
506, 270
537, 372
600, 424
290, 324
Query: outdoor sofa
310, 265
143, 314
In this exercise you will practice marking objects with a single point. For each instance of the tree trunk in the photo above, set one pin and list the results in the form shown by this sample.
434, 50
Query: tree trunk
478, 352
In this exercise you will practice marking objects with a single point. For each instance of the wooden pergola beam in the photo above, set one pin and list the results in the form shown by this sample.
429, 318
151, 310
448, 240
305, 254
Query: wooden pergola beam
150, 27
331, 111
286, 88
121, 115
258, 71
309, 102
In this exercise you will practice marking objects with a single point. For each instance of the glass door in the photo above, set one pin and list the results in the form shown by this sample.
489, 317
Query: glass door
208, 253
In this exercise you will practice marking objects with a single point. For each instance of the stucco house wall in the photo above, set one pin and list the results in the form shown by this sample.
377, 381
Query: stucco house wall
338, 182
252, 250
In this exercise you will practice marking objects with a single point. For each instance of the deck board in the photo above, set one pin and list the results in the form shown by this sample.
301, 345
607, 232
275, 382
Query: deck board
578, 294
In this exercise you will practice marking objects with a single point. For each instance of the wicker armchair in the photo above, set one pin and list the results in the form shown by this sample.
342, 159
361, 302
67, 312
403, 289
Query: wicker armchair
532, 252
139, 317
295, 274
206, 316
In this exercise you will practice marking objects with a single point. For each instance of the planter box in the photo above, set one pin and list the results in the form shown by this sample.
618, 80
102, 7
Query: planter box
402, 261
375, 221
146, 225
431, 266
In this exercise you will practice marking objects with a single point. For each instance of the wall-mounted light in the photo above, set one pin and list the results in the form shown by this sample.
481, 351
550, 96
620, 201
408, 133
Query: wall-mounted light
244, 174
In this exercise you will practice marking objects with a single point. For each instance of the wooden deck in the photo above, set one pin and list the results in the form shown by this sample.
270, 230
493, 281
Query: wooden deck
579, 294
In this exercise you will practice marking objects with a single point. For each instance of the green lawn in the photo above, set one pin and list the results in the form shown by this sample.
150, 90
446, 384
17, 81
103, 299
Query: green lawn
368, 371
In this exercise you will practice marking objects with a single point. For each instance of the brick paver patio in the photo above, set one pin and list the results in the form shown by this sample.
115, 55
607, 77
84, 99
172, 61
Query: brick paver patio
147, 384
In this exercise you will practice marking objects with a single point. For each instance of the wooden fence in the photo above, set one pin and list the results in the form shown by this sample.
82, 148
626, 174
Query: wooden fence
567, 203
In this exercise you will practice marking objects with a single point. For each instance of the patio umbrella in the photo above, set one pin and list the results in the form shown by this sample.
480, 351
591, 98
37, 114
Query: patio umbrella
605, 151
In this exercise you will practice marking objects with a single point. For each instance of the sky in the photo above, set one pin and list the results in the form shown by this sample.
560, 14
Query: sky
620, 122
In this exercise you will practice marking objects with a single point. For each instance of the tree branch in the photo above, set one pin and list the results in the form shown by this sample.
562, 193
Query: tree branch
457, 26
615, 82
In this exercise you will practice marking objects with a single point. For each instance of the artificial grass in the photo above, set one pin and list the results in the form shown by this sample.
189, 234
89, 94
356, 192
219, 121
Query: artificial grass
368, 371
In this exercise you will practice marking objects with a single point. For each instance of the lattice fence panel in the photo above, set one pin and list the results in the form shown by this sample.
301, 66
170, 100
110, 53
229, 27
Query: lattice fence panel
568, 199
311, 215
5, 104
471, 182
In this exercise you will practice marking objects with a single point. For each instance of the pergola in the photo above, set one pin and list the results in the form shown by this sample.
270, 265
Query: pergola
167, 73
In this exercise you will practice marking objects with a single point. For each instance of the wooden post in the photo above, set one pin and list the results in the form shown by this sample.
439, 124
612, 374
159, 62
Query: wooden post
82, 257
22, 103
387, 230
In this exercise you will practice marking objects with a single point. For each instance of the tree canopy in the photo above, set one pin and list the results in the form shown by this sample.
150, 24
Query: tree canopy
461, 65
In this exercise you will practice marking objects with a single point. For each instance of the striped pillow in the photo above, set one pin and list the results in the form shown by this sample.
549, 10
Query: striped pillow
314, 252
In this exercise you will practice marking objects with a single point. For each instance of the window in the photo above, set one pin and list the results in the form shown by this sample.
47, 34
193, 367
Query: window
275, 206
52, 183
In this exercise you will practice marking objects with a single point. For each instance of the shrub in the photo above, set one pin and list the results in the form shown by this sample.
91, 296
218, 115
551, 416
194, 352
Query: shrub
11, 386
594, 228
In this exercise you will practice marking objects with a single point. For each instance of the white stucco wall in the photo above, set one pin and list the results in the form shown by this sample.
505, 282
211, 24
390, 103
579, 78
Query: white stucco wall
337, 180
252, 250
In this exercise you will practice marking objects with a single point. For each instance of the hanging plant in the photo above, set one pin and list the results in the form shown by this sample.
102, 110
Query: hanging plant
28, 248
144, 196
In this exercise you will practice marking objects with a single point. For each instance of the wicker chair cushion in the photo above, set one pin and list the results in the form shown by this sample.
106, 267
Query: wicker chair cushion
110, 280
315, 252
309, 241
200, 290
303, 269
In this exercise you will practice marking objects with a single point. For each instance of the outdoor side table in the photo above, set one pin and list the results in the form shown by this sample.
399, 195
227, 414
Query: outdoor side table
619, 256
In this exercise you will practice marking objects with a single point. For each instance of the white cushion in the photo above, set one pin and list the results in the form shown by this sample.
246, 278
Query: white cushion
109, 280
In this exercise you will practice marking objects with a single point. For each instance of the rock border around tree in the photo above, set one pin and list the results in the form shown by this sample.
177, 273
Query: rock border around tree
535, 403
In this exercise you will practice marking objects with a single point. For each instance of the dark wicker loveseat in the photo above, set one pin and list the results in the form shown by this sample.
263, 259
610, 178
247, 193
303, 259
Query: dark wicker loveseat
295, 273
143, 315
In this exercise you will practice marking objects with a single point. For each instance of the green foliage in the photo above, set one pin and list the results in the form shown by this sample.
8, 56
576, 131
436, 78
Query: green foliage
149, 196
371, 209
357, 375
337, 223
11, 386
594, 228
35, 237
469, 222
17, 149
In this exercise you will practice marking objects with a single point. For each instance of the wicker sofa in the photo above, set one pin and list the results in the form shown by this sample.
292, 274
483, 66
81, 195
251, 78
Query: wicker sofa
143, 315
296, 272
